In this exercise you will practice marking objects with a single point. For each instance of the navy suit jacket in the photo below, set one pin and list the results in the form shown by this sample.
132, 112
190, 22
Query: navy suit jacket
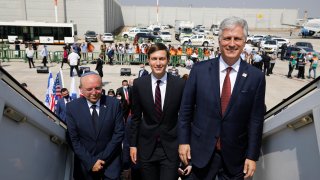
88, 145
144, 73
60, 109
240, 129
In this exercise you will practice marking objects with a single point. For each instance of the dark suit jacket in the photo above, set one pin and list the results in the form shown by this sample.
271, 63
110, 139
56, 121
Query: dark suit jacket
60, 109
201, 122
89, 146
144, 73
146, 128
126, 106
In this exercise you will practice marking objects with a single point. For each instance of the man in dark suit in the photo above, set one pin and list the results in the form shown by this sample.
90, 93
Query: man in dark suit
142, 71
125, 92
60, 109
222, 109
153, 134
96, 130
99, 65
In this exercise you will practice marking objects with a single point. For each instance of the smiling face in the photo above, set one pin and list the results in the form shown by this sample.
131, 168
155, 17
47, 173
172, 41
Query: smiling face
232, 42
91, 87
158, 62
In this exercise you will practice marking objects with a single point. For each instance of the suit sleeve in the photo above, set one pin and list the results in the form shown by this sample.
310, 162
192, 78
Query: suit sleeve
86, 158
187, 109
114, 146
136, 116
256, 122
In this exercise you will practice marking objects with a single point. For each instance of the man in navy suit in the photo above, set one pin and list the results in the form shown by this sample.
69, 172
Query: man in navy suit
153, 133
60, 109
96, 129
142, 71
221, 115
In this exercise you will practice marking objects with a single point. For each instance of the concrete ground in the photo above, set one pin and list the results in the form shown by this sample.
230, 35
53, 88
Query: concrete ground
278, 85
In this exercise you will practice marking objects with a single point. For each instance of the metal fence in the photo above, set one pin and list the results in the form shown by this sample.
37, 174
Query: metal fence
7, 54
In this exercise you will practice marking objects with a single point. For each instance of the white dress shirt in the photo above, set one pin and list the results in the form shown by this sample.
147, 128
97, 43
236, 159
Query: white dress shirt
233, 73
97, 108
163, 86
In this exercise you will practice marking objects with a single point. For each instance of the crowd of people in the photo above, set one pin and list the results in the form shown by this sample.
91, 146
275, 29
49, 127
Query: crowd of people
161, 126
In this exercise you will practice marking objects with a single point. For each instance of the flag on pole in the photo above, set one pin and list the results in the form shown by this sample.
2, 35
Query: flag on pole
49, 90
61, 78
56, 92
73, 92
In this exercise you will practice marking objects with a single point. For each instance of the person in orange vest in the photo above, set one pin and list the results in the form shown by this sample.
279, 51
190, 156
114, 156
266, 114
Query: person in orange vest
189, 52
206, 53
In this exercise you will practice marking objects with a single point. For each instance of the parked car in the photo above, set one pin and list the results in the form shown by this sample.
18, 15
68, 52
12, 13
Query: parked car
281, 41
304, 50
107, 37
255, 39
156, 31
166, 36
142, 37
132, 32
270, 46
198, 40
304, 44
90, 36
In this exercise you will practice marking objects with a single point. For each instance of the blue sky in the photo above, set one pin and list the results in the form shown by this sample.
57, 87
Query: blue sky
312, 6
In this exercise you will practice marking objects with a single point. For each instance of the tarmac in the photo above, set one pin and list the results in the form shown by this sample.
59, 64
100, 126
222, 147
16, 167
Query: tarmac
278, 86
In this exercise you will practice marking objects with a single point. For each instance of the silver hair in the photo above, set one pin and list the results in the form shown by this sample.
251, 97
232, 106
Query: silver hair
231, 22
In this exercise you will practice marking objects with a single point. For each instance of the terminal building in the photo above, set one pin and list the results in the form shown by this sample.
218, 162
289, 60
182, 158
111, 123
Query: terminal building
109, 15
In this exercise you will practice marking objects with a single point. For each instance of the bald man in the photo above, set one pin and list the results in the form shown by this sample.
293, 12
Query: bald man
96, 129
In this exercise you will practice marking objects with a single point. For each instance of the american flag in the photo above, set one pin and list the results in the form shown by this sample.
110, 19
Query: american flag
56, 92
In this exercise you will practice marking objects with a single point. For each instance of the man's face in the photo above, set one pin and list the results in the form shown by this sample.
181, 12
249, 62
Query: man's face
65, 93
124, 84
232, 42
91, 87
158, 62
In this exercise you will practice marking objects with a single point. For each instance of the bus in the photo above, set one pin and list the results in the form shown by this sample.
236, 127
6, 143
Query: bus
38, 32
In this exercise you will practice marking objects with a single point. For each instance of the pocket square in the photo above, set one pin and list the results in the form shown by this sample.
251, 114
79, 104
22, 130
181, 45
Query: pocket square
244, 91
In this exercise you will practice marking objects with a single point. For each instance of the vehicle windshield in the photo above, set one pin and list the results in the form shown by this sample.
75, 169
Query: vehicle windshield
165, 33
271, 42
186, 30
91, 33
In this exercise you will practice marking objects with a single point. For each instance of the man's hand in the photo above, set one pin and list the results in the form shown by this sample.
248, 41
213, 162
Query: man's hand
98, 165
249, 168
133, 154
185, 153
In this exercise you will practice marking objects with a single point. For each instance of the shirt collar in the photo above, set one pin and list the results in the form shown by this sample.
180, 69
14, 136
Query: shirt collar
97, 103
223, 65
163, 79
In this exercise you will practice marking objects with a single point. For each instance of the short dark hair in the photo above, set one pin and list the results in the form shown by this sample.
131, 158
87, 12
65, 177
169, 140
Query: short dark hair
124, 81
64, 89
158, 47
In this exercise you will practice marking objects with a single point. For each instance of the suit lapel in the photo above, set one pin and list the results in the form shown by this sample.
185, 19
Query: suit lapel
148, 93
87, 115
102, 114
167, 96
214, 85
240, 80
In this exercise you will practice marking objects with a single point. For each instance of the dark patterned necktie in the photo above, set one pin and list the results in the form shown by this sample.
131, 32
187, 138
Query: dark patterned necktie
95, 117
157, 101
